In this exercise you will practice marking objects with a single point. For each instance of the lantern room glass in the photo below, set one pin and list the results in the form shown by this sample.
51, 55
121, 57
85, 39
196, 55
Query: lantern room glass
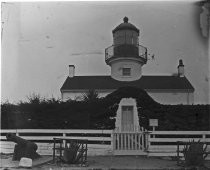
125, 37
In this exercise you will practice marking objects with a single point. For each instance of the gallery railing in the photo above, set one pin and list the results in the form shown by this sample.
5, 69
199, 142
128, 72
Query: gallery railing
126, 50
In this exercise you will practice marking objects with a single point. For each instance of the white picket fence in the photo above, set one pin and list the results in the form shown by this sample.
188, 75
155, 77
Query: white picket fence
99, 141
129, 141
103, 142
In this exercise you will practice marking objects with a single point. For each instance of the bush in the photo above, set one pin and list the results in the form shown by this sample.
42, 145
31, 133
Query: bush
195, 153
100, 113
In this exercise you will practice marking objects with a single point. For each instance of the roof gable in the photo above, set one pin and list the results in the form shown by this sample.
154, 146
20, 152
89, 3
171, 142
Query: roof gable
145, 82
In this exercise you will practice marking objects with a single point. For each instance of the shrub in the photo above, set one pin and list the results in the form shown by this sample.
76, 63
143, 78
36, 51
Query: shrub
100, 113
195, 153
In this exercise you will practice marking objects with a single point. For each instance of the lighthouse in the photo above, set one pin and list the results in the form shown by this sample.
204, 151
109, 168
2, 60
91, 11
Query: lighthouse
126, 56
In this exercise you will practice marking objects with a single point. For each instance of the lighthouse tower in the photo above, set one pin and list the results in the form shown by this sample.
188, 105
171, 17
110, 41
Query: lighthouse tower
126, 57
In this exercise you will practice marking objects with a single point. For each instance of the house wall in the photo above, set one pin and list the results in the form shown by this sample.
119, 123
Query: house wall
172, 97
161, 97
71, 95
78, 94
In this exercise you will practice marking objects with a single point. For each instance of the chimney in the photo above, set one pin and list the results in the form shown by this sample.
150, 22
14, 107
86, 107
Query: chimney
71, 70
180, 69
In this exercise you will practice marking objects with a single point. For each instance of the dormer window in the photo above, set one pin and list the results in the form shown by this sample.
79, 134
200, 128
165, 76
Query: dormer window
126, 71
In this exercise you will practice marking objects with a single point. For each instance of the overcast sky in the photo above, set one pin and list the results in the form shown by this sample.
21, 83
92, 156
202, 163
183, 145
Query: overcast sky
40, 40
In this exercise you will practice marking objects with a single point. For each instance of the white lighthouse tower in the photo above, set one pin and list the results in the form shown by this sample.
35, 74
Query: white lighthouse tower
126, 57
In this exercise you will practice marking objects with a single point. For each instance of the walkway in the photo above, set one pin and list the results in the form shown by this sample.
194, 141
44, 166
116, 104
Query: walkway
110, 162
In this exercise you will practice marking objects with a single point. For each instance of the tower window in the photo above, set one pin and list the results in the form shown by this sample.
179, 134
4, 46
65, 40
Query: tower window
126, 71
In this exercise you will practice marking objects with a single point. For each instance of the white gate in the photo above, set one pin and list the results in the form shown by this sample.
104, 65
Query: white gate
130, 142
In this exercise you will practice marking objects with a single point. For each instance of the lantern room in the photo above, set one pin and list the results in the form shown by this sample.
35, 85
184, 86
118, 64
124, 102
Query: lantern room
126, 56
125, 33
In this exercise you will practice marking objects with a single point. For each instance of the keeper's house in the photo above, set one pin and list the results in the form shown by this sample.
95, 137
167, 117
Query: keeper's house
126, 58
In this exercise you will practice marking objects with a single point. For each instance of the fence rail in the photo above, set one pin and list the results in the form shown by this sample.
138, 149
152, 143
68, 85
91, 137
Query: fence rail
61, 131
164, 143
99, 141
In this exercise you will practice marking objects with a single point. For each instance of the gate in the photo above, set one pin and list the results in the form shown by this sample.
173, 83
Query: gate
130, 142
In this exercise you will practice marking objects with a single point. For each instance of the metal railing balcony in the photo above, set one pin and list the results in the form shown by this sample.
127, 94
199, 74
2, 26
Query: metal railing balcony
126, 51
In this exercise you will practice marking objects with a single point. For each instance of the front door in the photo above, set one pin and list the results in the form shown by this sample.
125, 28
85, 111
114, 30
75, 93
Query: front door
128, 140
127, 122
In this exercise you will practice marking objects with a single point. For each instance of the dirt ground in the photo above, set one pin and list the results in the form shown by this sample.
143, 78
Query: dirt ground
100, 162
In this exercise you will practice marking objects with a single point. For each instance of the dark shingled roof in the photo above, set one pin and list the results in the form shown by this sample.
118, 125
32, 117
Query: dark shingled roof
125, 26
145, 82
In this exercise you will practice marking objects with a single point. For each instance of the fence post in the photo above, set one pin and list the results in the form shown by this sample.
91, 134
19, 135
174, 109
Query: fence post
54, 141
148, 140
112, 141
64, 141
16, 133
204, 137
153, 130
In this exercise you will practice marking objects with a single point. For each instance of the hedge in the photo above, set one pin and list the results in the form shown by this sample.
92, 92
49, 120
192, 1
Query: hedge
100, 113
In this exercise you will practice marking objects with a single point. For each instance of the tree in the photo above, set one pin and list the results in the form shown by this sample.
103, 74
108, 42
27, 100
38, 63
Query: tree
90, 95
34, 98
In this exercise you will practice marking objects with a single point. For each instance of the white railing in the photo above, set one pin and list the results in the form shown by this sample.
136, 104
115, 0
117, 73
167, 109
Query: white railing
129, 128
164, 143
104, 142
99, 141
129, 141
138, 51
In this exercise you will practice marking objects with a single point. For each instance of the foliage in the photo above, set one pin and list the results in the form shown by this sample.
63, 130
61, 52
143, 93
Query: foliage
34, 98
7, 115
99, 113
91, 95
195, 153
73, 153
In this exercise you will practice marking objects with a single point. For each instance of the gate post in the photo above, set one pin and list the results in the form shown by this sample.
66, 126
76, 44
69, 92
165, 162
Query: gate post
112, 140
147, 136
